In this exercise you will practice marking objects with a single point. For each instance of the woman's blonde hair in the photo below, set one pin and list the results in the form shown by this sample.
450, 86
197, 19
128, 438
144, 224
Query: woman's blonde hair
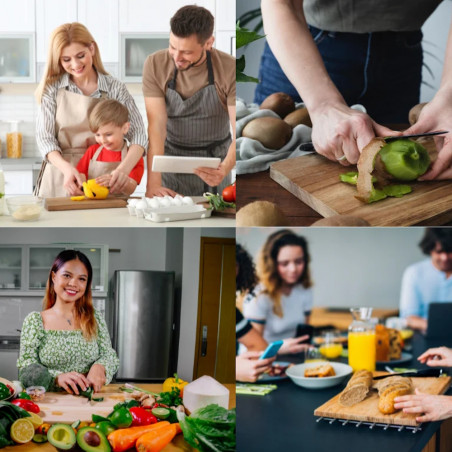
267, 265
84, 310
61, 37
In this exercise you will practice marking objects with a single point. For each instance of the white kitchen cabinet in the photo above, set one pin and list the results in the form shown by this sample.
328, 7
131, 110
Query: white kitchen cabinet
11, 259
143, 16
17, 58
18, 182
17, 16
225, 15
225, 41
49, 15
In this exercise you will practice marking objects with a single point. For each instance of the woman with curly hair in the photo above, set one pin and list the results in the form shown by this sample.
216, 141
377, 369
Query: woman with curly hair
284, 297
69, 337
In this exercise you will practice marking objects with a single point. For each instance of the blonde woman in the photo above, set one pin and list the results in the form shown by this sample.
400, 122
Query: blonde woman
284, 297
73, 82
69, 337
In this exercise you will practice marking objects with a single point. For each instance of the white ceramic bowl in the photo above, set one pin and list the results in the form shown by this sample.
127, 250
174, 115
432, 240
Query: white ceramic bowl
10, 383
296, 374
25, 208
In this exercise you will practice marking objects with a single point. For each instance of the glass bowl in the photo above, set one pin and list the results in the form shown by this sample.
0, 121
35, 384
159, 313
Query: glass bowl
25, 208
36, 393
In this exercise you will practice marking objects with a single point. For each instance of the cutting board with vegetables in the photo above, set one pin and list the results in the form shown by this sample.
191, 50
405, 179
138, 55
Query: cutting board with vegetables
367, 410
67, 408
315, 181
67, 204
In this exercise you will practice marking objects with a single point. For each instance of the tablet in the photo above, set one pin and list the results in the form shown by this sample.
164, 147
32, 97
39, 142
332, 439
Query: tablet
172, 164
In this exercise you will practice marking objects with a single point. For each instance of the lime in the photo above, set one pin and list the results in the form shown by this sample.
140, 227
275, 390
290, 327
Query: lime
39, 438
35, 419
22, 431
160, 412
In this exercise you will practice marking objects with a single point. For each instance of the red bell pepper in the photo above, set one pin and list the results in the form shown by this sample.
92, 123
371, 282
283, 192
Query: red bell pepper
27, 405
141, 417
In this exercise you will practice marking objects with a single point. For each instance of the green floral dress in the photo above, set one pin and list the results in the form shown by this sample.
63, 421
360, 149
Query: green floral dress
64, 351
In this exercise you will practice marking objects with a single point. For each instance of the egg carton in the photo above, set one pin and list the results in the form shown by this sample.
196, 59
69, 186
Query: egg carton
163, 209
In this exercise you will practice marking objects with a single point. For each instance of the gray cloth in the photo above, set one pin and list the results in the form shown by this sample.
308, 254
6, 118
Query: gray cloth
252, 156
366, 16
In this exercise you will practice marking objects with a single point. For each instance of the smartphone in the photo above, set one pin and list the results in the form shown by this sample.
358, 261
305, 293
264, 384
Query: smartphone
303, 329
271, 350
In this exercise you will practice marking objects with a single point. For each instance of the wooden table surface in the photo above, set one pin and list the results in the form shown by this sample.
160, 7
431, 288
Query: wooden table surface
178, 444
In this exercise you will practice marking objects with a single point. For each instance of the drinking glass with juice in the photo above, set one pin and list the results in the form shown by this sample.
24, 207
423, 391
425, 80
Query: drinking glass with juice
361, 340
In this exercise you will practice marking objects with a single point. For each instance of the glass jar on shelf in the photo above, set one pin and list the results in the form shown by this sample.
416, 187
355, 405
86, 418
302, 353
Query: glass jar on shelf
361, 340
14, 141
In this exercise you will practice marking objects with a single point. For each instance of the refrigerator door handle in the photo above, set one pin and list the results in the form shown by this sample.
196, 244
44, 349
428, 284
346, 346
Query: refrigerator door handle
204, 341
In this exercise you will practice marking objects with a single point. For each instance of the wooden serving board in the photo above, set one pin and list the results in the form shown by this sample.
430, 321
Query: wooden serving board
315, 181
67, 204
367, 410
66, 408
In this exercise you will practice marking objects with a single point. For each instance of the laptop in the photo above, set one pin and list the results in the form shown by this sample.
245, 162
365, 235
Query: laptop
439, 321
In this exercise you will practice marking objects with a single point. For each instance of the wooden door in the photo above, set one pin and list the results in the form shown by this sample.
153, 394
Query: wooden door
215, 339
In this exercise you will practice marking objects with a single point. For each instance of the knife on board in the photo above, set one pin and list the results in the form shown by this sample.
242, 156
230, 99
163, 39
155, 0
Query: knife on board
310, 147
419, 373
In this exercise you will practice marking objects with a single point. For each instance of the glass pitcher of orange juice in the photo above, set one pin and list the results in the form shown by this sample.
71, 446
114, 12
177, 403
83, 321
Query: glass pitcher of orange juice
361, 340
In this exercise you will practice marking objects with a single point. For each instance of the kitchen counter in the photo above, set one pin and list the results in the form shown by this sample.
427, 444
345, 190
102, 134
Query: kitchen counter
178, 444
118, 217
22, 164
284, 420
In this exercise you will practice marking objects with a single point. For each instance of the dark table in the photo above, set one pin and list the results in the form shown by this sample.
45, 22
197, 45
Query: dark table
284, 421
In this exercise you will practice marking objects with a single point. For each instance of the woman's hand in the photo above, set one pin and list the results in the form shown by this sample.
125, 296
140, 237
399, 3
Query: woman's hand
248, 367
432, 407
72, 180
437, 357
118, 181
292, 345
69, 381
96, 377
340, 133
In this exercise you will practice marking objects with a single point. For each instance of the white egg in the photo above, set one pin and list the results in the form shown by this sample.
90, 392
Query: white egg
153, 203
159, 199
187, 200
179, 197
141, 204
165, 203
169, 198
132, 202
176, 202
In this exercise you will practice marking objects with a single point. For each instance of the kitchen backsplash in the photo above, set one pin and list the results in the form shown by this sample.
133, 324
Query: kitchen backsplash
23, 107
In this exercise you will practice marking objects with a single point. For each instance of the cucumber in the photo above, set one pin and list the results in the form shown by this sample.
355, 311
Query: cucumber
160, 413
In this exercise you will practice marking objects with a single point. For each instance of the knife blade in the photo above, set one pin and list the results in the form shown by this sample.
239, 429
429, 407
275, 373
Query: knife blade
418, 135
419, 373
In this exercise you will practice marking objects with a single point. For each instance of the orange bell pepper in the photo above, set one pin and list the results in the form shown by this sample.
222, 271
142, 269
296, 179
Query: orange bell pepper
156, 440
125, 438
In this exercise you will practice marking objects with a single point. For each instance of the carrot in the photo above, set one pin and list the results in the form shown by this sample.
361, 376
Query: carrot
156, 440
178, 429
125, 438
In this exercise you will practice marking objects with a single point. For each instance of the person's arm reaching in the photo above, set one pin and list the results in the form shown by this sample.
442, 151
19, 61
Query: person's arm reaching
337, 129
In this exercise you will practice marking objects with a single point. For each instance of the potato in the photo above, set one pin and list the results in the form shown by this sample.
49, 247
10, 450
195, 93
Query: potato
273, 133
281, 103
261, 213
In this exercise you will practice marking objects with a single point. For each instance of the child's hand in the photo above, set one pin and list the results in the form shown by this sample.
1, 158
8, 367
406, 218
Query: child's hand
104, 180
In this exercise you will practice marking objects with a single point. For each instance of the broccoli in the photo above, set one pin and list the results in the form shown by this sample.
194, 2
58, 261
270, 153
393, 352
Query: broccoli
35, 375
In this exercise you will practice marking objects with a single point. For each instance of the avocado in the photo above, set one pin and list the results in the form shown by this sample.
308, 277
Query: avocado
61, 436
91, 439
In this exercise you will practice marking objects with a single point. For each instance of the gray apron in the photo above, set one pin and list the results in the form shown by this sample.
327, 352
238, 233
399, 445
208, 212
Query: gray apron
97, 168
202, 122
74, 137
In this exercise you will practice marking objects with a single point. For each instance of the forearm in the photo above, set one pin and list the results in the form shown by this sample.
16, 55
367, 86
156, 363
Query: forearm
446, 79
157, 136
56, 159
134, 153
301, 61
130, 187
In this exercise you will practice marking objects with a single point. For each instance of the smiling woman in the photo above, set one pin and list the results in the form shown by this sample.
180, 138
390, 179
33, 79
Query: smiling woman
69, 337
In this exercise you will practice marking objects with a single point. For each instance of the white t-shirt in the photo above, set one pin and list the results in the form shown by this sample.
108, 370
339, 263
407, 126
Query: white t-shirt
295, 307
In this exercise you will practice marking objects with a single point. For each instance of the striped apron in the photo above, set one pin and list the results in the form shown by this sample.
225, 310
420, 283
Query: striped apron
198, 126
74, 137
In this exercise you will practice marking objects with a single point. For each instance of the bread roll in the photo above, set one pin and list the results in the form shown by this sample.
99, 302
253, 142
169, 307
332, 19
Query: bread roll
325, 370
357, 388
386, 401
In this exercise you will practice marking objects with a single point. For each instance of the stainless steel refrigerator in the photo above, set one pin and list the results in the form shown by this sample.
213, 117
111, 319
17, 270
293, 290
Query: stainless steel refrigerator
144, 326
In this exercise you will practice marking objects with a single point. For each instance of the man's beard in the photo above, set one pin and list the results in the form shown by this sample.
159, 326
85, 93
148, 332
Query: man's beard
194, 63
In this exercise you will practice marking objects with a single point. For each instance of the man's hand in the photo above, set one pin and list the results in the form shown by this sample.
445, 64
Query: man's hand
158, 190
212, 176
340, 133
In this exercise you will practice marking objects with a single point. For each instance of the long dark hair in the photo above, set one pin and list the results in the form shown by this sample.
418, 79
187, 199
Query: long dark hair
432, 236
84, 310
246, 278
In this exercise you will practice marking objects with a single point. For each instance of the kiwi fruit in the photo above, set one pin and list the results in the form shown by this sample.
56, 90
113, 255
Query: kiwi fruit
272, 132
297, 117
281, 103
261, 213
341, 220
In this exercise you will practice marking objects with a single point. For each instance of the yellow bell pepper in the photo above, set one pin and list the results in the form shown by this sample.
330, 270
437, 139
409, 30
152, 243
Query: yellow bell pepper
93, 190
174, 382
78, 198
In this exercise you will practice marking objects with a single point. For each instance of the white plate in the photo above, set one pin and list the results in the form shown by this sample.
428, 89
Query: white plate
265, 378
171, 164
296, 374
177, 213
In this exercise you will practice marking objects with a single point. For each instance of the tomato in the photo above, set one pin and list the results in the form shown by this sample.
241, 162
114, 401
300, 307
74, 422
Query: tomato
27, 405
229, 193
4, 391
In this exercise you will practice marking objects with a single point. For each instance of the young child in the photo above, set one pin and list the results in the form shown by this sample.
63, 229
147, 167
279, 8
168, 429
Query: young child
108, 120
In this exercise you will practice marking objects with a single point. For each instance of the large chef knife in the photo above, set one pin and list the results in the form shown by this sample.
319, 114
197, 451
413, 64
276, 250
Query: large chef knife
419, 373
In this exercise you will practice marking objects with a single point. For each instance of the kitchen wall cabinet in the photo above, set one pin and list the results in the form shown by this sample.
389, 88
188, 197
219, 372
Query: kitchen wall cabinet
18, 182
17, 57
17, 16
24, 269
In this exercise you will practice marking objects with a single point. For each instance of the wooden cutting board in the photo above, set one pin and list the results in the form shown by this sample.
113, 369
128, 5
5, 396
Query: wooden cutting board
67, 204
66, 408
367, 410
315, 181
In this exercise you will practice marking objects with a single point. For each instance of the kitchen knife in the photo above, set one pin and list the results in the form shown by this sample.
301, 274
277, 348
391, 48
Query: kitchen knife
310, 147
419, 373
